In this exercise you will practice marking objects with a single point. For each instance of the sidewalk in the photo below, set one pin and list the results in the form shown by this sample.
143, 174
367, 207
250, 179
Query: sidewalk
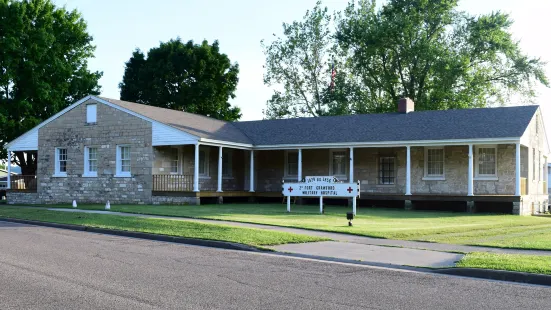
350, 247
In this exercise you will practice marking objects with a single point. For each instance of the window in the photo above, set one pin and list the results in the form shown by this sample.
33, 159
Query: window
174, 160
434, 162
61, 161
204, 163
291, 163
486, 161
91, 161
91, 113
226, 163
534, 164
123, 161
338, 165
387, 170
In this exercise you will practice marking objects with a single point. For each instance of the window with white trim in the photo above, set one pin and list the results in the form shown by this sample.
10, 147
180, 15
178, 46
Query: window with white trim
123, 161
291, 163
91, 161
339, 163
91, 113
434, 162
204, 163
486, 161
387, 170
534, 164
227, 163
61, 161
174, 160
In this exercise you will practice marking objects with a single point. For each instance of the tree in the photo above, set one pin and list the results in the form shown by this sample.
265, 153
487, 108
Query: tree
301, 63
43, 68
436, 55
186, 77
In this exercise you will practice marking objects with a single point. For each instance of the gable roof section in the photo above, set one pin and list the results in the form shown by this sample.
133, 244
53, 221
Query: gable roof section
197, 125
483, 123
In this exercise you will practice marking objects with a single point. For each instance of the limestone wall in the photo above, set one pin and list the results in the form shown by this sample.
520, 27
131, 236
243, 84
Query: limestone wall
113, 128
22, 198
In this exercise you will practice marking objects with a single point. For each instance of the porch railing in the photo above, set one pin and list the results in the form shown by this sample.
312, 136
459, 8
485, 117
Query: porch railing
172, 183
23, 182
523, 186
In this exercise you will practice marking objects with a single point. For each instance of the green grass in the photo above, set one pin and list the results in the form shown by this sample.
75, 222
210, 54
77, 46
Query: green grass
506, 231
248, 236
510, 262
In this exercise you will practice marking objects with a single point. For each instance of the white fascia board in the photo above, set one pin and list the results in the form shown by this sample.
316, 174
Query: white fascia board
245, 146
167, 135
13, 144
511, 140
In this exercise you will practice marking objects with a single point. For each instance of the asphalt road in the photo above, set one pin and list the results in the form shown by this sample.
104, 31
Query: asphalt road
48, 268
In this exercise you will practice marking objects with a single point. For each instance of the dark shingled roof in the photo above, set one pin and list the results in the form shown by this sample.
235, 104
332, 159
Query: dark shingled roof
197, 125
502, 122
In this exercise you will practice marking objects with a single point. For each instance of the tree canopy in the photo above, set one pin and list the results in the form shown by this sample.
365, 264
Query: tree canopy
426, 50
187, 77
44, 52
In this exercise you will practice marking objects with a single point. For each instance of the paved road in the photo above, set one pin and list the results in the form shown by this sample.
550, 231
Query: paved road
48, 268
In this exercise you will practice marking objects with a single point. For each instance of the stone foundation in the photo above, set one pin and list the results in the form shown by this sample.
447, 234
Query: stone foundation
408, 205
471, 207
22, 198
174, 200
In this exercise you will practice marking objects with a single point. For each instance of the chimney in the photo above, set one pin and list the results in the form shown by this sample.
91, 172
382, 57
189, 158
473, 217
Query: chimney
405, 105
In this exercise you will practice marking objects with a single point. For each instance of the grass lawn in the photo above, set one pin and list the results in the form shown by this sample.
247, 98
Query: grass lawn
510, 262
248, 236
507, 231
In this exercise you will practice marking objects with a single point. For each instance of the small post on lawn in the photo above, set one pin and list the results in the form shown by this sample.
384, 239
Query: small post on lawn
74, 203
288, 204
321, 204
354, 205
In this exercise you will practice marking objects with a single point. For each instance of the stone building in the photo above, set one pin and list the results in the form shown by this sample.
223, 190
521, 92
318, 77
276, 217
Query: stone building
101, 149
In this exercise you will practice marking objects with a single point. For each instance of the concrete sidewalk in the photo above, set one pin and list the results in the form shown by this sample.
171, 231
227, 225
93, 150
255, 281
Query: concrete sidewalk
440, 247
338, 249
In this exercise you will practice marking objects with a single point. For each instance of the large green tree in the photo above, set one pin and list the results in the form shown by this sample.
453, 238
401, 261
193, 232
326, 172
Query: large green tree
189, 77
301, 63
427, 50
43, 68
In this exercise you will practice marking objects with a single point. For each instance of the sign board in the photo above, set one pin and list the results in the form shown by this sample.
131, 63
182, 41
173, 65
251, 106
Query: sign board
321, 189
321, 179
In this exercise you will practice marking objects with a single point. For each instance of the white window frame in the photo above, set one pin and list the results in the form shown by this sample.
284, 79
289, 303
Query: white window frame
206, 174
286, 167
435, 177
346, 164
487, 177
120, 173
379, 182
91, 118
227, 154
177, 160
87, 172
57, 172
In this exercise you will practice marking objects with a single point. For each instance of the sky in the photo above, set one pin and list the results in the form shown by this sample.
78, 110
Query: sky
121, 26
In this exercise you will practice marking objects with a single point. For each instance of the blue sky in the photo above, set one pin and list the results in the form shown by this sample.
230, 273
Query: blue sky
120, 26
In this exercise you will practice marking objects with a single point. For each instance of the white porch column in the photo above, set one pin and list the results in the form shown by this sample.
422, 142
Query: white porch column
9, 170
196, 169
351, 180
470, 173
408, 170
517, 170
299, 165
251, 178
219, 169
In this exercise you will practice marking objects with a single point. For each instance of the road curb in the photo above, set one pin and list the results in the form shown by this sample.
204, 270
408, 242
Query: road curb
142, 235
499, 275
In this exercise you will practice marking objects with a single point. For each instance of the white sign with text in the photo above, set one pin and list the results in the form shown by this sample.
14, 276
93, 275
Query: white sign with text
321, 189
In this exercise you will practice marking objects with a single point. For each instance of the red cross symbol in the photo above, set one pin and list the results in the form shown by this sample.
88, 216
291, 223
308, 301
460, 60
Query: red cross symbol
290, 189
349, 189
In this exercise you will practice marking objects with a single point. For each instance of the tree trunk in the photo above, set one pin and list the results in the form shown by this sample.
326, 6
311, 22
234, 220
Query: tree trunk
28, 162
